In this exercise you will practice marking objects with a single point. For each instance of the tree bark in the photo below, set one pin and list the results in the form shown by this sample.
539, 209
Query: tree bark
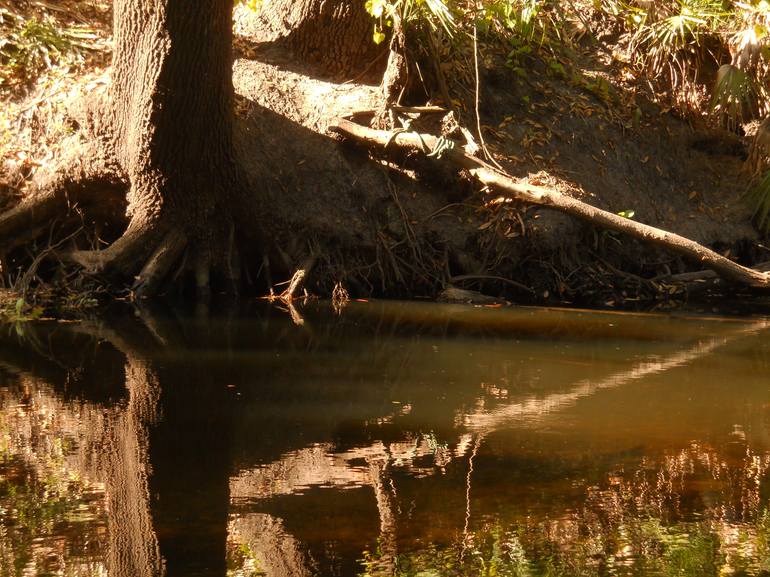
171, 111
166, 131
333, 34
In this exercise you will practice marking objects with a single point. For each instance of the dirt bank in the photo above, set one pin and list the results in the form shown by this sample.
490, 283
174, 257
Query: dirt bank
580, 129
408, 230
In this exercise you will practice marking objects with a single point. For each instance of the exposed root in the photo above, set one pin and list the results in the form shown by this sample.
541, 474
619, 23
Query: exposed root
125, 256
83, 177
29, 218
159, 265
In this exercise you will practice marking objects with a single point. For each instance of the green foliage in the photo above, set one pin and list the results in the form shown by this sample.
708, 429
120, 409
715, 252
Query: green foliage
734, 94
679, 43
522, 18
31, 45
19, 311
669, 38
434, 13
27, 46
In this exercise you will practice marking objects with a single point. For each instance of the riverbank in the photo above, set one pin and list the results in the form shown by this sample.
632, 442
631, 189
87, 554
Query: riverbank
575, 121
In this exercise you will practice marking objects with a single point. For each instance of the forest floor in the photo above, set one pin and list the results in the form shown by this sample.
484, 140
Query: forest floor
579, 123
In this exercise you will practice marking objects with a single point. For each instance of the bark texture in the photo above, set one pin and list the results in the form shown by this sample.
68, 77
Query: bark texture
166, 133
333, 34
171, 117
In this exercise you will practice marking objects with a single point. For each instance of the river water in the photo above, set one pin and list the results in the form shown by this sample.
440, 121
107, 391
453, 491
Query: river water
385, 439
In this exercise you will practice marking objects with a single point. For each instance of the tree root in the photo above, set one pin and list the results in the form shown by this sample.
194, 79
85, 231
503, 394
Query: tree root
552, 198
159, 265
125, 256
83, 177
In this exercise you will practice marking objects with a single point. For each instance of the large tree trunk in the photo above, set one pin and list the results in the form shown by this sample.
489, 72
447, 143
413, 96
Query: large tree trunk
170, 115
171, 106
167, 132
334, 35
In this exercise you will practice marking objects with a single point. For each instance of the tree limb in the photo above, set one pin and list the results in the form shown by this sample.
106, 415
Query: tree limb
552, 198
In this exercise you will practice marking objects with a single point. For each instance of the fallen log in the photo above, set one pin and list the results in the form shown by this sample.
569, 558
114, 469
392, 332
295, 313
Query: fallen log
502, 182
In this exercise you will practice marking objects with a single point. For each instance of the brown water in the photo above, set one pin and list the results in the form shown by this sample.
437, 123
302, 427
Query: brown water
392, 438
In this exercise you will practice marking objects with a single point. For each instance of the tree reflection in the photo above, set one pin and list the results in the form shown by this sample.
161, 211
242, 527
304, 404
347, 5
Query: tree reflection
693, 513
121, 450
211, 446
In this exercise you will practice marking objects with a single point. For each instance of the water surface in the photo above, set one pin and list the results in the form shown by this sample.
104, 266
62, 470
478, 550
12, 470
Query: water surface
386, 439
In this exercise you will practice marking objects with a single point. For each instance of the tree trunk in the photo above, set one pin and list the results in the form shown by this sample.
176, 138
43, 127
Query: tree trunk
163, 142
170, 115
335, 35
167, 132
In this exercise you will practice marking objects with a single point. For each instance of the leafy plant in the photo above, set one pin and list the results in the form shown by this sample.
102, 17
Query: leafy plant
20, 311
734, 95
434, 13
522, 18
30, 45
678, 44
27, 46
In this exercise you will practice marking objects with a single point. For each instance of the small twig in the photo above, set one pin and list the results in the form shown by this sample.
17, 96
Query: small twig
440, 77
420, 109
22, 284
295, 283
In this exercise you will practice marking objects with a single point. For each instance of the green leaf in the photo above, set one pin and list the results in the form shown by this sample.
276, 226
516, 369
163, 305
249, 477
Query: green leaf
376, 8
378, 37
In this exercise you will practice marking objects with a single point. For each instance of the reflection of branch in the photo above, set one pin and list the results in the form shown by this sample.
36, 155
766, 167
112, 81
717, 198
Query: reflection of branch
466, 535
531, 410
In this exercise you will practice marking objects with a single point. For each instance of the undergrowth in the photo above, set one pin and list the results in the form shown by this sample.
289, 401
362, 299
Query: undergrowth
705, 59
32, 43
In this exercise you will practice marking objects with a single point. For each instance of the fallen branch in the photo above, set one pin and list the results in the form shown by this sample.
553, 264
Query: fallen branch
500, 181
294, 284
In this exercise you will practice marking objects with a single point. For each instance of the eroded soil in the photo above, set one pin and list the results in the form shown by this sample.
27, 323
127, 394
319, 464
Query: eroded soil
410, 229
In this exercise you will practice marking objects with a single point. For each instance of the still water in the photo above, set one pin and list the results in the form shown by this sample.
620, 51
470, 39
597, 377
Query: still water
385, 439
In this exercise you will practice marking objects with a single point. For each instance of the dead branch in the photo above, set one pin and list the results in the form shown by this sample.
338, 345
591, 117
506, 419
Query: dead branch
502, 182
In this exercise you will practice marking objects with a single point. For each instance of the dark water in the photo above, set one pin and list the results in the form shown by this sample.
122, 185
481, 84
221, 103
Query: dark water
391, 439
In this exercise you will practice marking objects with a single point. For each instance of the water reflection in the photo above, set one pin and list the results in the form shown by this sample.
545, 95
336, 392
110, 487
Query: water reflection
389, 440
